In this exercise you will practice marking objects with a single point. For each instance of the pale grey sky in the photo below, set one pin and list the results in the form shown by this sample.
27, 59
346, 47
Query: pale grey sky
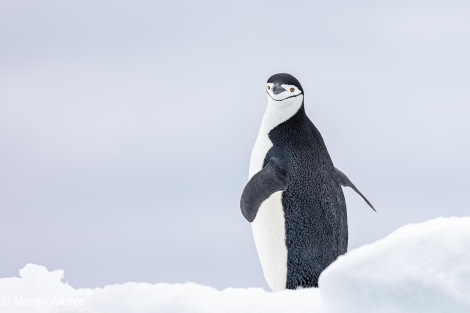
126, 127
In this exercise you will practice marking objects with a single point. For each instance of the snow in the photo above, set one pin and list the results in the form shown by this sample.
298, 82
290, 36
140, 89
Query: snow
38, 290
418, 268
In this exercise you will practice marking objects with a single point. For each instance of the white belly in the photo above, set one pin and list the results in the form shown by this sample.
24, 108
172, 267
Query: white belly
270, 239
269, 226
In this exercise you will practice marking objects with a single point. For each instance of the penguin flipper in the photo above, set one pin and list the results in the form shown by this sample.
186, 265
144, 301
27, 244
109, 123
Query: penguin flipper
344, 180
263, 184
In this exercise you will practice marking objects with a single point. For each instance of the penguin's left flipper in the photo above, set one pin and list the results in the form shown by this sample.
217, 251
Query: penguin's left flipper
263, 184
344, 180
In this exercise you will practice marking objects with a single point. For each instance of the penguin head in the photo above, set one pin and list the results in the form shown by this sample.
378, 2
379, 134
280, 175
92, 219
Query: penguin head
285, 98
283, 87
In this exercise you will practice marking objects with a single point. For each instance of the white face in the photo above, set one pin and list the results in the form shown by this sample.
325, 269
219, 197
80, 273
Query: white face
281, 92
283, 102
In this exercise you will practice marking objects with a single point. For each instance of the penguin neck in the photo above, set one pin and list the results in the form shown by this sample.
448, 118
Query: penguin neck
278, 112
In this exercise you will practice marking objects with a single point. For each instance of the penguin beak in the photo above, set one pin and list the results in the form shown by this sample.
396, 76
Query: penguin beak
277, 89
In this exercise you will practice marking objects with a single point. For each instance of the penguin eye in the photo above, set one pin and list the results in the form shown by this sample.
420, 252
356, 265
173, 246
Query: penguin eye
292, 89
269, 87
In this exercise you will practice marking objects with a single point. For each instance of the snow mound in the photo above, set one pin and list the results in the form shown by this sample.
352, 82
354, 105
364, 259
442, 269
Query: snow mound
418, 268
38, 290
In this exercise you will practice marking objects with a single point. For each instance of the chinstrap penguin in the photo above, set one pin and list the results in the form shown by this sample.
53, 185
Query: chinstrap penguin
293, 198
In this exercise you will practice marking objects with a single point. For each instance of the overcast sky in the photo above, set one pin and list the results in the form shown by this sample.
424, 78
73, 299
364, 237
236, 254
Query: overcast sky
126, 127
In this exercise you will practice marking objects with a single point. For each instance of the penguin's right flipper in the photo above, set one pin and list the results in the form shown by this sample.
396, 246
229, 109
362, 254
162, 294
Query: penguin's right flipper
263, 184
344, 180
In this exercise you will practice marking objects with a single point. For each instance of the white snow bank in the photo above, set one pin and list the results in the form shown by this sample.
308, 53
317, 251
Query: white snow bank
419, 268
38, 290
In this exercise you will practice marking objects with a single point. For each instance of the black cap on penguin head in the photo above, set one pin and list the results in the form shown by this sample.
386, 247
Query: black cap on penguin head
284, 78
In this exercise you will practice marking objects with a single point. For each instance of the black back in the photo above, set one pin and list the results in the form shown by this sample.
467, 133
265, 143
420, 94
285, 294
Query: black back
314, 204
